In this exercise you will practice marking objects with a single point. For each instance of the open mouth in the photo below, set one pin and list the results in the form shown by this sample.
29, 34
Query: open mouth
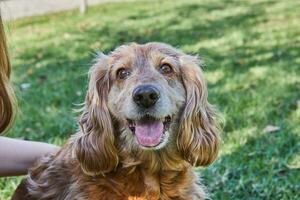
150, 131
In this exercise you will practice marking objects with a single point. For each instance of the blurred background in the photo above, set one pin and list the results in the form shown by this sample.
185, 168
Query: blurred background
251, 50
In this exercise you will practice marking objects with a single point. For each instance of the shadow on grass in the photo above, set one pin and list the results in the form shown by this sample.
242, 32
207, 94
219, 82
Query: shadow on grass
174, 31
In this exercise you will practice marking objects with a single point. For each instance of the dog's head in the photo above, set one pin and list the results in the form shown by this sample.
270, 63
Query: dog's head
146, 98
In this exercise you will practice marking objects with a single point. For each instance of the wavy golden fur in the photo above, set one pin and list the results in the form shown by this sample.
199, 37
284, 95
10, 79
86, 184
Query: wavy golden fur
7, 98
108, 158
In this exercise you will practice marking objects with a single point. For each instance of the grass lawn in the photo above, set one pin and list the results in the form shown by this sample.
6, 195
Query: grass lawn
252, 54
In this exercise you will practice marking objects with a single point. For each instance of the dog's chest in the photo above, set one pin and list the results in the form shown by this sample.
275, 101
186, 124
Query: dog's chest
139, 186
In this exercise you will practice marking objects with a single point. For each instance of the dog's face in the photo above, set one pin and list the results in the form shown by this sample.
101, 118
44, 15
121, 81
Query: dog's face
146, 95
146, 98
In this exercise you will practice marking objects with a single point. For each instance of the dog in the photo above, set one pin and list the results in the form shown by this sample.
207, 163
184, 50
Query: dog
145, 124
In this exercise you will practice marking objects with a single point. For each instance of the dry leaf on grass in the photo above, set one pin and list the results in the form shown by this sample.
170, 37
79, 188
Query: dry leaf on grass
271, 128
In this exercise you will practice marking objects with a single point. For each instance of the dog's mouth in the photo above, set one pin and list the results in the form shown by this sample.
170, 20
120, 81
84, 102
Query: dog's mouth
149, 131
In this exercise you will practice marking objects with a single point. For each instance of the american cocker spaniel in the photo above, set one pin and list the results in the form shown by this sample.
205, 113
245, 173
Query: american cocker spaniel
145, 124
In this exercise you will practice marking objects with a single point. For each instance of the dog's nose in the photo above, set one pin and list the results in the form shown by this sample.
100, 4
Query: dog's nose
146, 95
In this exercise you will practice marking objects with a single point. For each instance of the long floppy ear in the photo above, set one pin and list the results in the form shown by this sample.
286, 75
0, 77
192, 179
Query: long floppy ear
95, 148
198, 138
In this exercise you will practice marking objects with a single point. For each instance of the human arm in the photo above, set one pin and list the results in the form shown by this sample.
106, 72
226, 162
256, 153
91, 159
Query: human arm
17, 156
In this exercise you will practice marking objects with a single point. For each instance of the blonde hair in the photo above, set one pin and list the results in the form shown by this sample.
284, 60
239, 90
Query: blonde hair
7, 97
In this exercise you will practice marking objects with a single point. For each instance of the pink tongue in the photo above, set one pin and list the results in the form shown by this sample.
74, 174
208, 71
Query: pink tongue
149, 133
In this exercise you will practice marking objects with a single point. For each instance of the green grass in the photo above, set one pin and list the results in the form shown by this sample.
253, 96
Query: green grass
252, 54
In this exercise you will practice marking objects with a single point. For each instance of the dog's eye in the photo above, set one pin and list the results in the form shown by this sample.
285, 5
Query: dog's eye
166, 69
123, 73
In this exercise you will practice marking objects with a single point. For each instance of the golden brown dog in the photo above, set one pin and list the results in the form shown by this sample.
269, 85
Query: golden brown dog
145, 123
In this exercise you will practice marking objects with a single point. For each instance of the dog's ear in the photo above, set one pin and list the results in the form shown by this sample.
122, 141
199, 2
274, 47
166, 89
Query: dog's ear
94, 147
198, 137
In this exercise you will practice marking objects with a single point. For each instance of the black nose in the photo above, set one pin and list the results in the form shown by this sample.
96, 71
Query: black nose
146, 95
